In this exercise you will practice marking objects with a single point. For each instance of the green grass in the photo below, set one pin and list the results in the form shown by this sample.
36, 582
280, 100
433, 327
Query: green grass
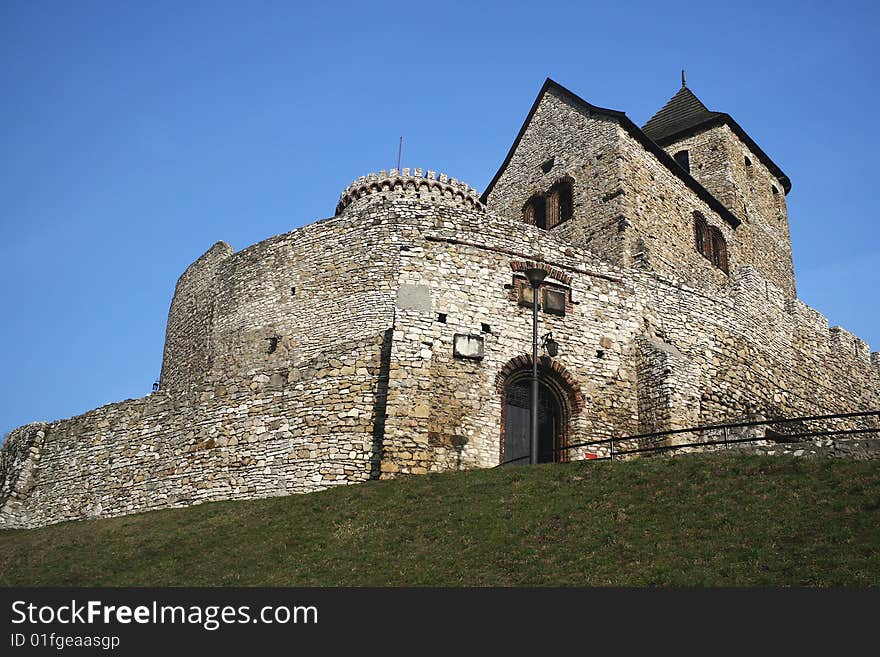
692, 521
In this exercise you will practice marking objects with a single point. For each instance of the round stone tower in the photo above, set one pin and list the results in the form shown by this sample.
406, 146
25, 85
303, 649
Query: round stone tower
413, 184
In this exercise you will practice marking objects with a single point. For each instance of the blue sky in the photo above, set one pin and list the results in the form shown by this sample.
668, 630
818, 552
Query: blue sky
135, 135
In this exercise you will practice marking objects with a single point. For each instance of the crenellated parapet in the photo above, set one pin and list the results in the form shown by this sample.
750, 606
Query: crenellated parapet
427, 186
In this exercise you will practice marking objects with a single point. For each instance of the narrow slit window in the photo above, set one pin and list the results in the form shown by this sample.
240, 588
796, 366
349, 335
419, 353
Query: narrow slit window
683, 159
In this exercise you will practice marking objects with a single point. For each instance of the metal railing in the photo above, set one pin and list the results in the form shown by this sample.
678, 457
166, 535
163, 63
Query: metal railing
725, 432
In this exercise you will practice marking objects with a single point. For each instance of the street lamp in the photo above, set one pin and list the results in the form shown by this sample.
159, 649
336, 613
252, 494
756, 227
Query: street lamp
536, 277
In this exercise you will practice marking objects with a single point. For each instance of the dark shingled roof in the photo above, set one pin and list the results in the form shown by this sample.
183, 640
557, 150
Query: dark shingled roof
685, 113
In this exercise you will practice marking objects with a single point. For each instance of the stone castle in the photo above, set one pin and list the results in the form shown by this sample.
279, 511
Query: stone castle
395, 337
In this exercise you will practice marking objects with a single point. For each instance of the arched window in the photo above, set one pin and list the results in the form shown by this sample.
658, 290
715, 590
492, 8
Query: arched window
683, 159
551, 209
535, 211
710, 243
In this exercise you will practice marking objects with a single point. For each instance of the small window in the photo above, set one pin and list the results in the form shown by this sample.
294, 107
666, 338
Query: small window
525, 293
774, 190
554, 301
546, 166
551, 209
747, 161
552, 298
683, 159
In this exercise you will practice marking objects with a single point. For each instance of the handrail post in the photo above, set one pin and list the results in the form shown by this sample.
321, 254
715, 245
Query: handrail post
726, 437
612, 448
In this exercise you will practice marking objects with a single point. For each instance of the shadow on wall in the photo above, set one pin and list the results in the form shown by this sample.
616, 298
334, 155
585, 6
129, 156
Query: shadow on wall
380, 405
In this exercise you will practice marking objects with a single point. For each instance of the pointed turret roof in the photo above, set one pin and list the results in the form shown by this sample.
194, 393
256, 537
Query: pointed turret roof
685, 113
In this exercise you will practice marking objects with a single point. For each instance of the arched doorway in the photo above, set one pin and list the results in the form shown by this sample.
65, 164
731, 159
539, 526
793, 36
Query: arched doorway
552, 421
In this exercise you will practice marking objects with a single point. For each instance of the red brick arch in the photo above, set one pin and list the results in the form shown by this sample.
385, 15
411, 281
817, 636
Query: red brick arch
555, 273
552, 372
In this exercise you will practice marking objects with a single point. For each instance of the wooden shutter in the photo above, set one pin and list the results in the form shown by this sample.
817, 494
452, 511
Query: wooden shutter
529, 213
719, 251
701, 236
553, 208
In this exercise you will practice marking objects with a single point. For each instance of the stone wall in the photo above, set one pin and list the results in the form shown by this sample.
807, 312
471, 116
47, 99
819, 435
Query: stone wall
632, 207
583, 147
669, 387
859, 450
751, 192
307, 291
643, 350
188, 353
660, 208
277, 432
18, 468
468, 266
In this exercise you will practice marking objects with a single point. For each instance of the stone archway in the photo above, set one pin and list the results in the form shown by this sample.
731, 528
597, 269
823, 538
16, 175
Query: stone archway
559, 400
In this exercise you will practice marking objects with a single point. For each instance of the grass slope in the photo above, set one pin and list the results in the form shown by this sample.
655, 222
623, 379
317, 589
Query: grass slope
722, 520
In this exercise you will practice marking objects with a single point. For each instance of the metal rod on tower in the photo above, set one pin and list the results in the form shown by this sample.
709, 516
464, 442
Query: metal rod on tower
399, 152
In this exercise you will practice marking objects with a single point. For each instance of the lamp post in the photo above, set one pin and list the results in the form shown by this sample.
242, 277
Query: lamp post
536, 277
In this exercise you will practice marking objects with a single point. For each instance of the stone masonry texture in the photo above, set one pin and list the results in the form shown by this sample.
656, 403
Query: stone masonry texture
327, 356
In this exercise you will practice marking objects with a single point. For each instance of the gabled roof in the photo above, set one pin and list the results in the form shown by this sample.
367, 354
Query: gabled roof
685, 114
633, 130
